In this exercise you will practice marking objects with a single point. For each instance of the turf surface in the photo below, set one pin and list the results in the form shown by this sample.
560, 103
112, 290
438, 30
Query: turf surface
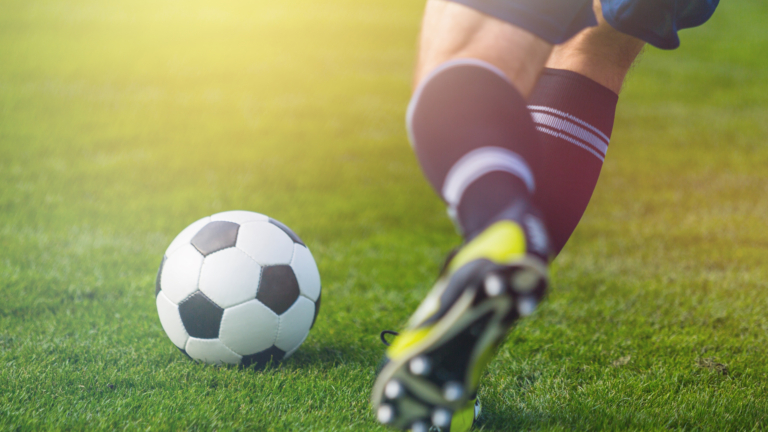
122, 122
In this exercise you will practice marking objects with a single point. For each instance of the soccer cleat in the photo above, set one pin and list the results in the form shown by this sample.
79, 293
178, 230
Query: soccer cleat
462, 421
432, 370
441, 420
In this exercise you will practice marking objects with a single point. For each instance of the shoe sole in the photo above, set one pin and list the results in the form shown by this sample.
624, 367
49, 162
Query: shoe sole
430, 380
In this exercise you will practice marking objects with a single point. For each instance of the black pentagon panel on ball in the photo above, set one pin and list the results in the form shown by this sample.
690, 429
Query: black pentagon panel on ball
261, 360
317, 309
215, 236
201, 316
287, 230
278, 288
159, 272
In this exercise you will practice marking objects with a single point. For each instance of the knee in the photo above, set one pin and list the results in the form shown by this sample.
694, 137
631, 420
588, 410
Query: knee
452, 31
604, 43
600, 53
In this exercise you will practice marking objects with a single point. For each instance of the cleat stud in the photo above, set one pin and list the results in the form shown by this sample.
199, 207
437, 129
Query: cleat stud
420, 366
525, 281
385, 414
453, 391
526, 305
420, 426
441, 418
394, 390
494, 285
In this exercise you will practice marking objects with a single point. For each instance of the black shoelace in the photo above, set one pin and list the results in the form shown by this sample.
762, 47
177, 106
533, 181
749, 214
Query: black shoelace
384, 334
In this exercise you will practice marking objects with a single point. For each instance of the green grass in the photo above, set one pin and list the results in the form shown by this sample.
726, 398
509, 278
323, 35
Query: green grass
122, 122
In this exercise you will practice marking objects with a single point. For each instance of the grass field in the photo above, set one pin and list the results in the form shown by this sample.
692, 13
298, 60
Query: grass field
121, 122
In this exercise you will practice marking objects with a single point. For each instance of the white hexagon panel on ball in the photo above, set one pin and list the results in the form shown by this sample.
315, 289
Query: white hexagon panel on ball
265, 243
230, 277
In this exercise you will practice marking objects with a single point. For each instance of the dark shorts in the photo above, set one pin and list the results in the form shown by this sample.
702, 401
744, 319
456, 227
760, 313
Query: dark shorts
654, 21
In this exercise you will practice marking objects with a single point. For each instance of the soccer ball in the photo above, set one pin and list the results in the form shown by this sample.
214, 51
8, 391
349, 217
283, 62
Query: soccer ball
237, 287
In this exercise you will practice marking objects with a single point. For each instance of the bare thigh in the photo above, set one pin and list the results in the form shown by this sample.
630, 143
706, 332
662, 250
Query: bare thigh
451, 31
600, 53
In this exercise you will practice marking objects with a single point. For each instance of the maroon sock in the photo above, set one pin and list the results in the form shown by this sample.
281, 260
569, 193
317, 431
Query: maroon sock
574, 117
475, 141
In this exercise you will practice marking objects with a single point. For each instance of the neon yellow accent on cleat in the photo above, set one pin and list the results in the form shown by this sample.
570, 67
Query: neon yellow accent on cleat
464, 418
501, 243
406, 340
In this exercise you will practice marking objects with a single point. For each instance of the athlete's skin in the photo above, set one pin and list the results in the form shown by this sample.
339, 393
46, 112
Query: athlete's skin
451, 30
600, 53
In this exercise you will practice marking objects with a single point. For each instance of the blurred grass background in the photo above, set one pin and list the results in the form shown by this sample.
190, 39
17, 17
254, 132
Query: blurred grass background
122, 122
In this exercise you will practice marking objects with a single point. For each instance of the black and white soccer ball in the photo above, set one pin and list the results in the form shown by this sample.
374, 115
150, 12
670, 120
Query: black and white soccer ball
237, 287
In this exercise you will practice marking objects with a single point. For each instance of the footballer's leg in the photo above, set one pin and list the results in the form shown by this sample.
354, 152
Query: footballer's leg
478, 152
477, 145
574, 101
573, 107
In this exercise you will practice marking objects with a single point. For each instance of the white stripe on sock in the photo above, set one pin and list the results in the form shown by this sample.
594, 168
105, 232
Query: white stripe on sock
444, 66
480, 162
570, 117
563, 136
571, 128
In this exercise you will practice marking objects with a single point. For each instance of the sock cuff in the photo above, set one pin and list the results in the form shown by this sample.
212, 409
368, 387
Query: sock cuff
480, 162
577, 96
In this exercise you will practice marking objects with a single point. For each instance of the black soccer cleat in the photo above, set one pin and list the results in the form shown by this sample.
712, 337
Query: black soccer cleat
432, 370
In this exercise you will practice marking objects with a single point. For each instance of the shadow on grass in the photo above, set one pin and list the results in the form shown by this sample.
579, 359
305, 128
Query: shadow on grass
335, 355
325, 357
